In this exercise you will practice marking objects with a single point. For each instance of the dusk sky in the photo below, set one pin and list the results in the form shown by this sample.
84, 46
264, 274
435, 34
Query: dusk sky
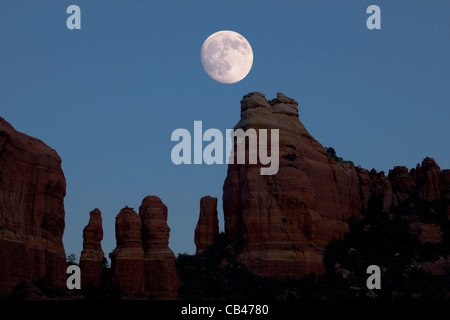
108, 97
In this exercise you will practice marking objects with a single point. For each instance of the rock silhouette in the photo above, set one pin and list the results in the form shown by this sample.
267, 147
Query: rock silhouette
207, 228
127, 259
142, 261
91, 259
161, 278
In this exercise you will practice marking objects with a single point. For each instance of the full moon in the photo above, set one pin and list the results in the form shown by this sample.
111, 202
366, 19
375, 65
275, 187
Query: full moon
227, 57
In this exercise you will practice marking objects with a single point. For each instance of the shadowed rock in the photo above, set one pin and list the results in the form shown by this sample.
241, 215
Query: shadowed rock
127, 259
91, 259
161, 278
32, 190
207, 228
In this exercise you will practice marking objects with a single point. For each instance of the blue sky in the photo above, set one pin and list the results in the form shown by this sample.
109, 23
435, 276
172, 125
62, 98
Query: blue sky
107, 97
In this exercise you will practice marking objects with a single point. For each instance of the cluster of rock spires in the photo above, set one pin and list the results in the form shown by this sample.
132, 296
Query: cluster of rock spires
279, 225
142, 261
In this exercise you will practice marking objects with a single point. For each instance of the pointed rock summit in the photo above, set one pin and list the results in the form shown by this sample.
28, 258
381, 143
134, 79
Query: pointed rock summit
207, 228
91, 259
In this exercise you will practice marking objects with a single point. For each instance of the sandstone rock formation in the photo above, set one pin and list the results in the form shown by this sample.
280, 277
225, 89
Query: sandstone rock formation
415, 191
142, 261
284, 221
279, 224
207, 228
161, 278
403, 183
32, 190
375, 188
429, 180
91, 259
127, 259
426, 182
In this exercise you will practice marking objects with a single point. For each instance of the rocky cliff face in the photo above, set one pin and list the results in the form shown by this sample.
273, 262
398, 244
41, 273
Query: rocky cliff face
32, 190
207, 228
91, 259
284, 221
161, 278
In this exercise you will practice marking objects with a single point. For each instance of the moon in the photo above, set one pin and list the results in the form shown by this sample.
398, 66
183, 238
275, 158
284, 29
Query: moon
227, 57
